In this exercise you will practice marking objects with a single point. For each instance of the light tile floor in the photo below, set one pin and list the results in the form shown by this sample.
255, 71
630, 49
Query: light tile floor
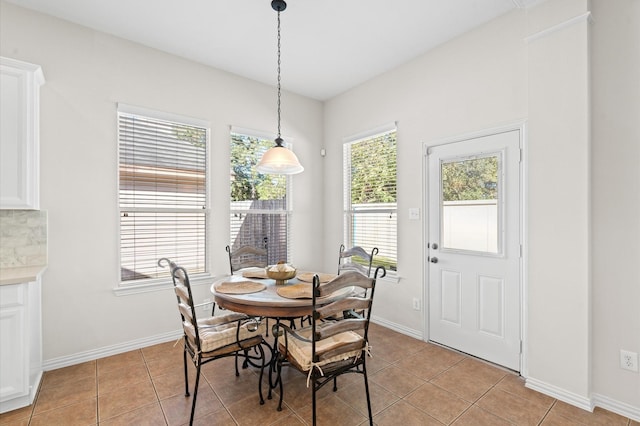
411, 383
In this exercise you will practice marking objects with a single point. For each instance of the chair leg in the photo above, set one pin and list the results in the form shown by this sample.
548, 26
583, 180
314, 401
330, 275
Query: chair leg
262, 357
186, 374
245, 363
366, 388
279, 379
195, 393
313, 398
236, 359
213, 309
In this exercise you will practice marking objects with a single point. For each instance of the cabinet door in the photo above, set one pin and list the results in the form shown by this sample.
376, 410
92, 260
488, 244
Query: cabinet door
14, 352
19, 133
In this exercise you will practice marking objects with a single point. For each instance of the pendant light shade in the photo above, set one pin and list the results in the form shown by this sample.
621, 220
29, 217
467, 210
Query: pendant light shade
279, 160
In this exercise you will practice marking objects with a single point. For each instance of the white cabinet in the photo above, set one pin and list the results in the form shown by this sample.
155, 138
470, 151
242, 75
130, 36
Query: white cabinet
19, 134
20, 344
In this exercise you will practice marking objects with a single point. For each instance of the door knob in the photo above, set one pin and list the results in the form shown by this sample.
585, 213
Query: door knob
434, 260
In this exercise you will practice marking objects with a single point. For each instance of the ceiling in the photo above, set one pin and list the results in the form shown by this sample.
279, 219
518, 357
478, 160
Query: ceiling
328, 46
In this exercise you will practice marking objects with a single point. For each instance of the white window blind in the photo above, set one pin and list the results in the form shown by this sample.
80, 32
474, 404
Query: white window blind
259, 204
162, 194
370, 201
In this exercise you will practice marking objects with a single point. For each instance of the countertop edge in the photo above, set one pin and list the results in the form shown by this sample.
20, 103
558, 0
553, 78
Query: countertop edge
22, 274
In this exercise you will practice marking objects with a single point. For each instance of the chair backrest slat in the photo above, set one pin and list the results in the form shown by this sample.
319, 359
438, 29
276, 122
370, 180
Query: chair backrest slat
249, 250
355, 251
342, 305
248, 264
347, 279
185, 311
352, 266
248, 256
182, 293
341, 326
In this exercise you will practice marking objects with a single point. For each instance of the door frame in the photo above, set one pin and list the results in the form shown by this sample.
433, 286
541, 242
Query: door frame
521, 126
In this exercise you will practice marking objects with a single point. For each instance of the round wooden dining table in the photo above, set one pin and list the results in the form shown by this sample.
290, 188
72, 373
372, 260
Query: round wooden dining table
267, 302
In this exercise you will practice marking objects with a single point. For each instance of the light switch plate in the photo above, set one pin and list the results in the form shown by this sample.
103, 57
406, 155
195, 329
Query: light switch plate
414, 213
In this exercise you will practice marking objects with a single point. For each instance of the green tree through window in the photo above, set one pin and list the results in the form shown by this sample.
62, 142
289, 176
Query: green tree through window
247, 183
473, 179
371, 201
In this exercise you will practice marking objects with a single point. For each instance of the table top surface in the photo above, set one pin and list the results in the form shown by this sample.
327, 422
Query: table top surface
268, 302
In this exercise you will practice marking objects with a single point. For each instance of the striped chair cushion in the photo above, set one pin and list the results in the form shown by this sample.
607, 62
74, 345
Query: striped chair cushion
214, 334
301, 351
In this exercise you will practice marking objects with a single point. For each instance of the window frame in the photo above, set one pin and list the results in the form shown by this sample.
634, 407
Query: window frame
164, 282
348, 212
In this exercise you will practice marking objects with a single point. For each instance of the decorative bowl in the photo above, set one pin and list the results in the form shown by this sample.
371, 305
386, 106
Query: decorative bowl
281, 276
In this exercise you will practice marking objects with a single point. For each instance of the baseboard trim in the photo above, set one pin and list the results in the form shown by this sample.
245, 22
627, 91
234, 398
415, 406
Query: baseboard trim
617, 407
416, 334
596, 400
65, 361
559, 394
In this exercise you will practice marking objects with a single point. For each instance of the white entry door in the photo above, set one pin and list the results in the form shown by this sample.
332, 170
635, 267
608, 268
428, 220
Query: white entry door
474, 246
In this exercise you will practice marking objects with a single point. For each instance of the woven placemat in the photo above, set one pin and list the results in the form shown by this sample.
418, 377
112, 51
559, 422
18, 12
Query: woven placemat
239, 287
308, 277
255, 273
295, 291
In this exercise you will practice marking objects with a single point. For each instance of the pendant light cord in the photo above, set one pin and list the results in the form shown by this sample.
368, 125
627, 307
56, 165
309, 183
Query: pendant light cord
279, 94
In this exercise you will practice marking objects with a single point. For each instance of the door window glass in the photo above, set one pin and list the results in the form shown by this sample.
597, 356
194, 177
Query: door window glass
470, 200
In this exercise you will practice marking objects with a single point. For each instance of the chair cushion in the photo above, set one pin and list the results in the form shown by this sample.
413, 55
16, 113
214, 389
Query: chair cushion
216, 332
301, 351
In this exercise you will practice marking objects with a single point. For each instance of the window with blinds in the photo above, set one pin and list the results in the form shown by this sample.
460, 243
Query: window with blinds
259, 204
370, 202
162, 193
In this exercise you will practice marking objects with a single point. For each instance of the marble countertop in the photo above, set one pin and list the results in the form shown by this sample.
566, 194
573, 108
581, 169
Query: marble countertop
21, 274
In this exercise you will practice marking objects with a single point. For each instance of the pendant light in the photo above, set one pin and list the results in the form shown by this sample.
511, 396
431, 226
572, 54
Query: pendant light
279, 160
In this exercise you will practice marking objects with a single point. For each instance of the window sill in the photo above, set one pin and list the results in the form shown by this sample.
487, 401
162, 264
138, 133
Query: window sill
160, 284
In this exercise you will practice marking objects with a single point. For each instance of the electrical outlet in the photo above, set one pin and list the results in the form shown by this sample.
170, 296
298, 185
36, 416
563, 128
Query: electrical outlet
416, 304
629, 360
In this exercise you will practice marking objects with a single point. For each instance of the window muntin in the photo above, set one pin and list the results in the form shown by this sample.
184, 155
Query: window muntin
259, 203
162, 194
370, 196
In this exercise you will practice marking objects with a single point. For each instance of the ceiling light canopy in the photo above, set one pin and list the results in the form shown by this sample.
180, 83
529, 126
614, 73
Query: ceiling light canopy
279, 159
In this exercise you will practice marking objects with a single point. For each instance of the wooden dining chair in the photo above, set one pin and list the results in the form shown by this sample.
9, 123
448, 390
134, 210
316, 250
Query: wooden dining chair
332, 345
356, 259
212, 338
246, 257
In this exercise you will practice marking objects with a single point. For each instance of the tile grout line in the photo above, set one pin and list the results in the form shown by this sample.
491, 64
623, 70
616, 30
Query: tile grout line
548, 411
97, 399
155, 390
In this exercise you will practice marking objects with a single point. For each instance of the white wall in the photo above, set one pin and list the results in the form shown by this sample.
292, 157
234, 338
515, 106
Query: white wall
582, 280
86, 74
471, 83
558, 275
616, 196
